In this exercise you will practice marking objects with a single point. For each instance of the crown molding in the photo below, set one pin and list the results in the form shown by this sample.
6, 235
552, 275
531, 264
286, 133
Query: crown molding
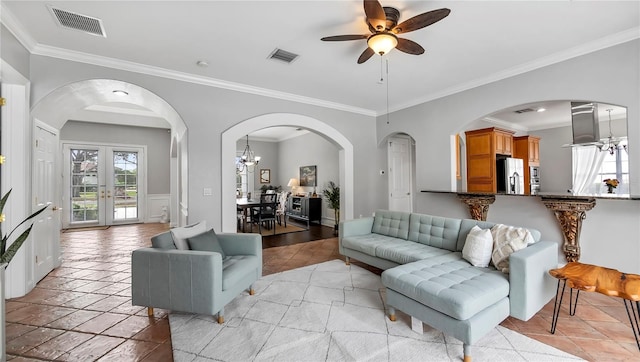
15, 27
505, 124
593, 46
71, 55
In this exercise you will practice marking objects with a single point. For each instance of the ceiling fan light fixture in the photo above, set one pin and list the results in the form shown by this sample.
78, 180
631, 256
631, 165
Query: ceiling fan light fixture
382, 43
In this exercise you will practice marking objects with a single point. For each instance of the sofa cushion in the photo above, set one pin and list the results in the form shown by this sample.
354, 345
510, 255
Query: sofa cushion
367, 243
448, 284
236, 267
391, 223
163, 241
207, 241
181, 234
439, 232
404, 251
478, 247
506, 241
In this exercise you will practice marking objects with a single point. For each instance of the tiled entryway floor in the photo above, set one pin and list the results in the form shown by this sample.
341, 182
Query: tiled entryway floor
82, 311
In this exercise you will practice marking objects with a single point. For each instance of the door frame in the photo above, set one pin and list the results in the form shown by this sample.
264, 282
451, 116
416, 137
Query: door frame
142, 180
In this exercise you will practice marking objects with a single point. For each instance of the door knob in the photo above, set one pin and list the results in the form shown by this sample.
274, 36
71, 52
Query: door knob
55, 208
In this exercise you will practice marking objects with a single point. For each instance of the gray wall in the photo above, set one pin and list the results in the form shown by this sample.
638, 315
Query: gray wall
308, 150
13, 52
207, 113
158, 142
610, 231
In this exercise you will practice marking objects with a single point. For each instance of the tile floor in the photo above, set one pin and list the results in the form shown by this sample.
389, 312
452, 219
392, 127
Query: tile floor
82, 311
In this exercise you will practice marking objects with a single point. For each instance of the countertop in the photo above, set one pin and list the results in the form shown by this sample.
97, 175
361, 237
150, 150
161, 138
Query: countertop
545, 195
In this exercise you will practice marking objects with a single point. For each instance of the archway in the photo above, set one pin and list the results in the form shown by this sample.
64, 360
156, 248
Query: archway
228, 153
57, 107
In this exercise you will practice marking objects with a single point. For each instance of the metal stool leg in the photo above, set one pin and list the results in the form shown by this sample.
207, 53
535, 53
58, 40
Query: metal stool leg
557, 305
635, 319
575, 303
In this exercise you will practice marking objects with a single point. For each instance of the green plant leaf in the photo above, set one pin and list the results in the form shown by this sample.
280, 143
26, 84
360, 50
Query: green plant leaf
4, 200
23, 221
13, 248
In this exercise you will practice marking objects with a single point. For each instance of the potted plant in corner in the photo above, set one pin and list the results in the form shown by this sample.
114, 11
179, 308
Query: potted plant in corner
332, 195
6, 254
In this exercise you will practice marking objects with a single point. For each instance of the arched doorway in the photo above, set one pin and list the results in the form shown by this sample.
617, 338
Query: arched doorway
49, 116
228, 153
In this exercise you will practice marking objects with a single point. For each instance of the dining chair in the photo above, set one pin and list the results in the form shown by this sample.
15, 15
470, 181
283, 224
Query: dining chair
265, 213
281, 211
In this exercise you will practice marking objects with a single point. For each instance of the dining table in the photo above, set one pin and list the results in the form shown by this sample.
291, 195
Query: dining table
245, 205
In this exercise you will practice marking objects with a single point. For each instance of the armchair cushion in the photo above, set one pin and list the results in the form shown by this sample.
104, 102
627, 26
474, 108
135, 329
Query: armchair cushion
181, 234
207, 241
163, 241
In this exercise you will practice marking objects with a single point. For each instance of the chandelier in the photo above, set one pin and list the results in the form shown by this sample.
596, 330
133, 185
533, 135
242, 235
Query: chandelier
612, 143
247, 159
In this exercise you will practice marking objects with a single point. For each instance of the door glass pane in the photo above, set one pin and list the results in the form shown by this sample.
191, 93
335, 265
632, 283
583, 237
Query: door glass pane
84, 185
125, 196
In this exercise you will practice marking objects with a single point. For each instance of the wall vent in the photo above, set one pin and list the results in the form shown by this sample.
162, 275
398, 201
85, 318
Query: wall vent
525, 110
79, 22
283, 55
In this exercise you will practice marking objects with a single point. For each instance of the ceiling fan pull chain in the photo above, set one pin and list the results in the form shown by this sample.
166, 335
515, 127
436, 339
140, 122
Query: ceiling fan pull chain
387, 60
381, 71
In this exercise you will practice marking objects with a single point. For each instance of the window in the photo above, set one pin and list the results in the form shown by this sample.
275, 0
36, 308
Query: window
591, 167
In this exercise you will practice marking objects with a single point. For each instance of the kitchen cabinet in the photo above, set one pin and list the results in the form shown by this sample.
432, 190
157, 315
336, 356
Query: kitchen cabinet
483, 146
307, 209
528, 149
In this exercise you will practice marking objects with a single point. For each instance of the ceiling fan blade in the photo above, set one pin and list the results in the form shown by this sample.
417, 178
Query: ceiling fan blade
366, 54
375, 14
409, 46
422, 20
344, 37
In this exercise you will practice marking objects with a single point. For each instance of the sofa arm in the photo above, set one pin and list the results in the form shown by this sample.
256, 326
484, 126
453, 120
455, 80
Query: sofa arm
241, 244
355, 227
180, 280
531, 286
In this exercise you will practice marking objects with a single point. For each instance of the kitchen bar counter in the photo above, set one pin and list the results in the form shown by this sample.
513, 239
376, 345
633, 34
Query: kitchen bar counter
544, 195
569, 210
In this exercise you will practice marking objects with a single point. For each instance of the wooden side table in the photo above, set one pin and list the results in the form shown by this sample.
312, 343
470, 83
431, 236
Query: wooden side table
593, 278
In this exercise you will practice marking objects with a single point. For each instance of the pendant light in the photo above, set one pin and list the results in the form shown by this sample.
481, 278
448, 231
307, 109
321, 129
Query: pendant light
247, 159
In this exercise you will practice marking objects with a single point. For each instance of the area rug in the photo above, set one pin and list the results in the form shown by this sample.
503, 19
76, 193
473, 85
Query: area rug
331, 312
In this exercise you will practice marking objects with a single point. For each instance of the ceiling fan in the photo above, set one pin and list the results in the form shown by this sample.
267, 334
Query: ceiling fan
383, 24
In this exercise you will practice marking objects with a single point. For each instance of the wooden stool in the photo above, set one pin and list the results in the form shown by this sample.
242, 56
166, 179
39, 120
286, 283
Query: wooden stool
593, 278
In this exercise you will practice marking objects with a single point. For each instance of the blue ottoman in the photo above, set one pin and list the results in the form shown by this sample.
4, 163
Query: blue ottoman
450, 295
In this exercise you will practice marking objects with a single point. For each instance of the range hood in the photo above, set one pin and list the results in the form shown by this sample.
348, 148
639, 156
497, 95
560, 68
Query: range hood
584, 124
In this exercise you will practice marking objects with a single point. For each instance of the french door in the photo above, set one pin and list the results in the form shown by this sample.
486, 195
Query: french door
104, 184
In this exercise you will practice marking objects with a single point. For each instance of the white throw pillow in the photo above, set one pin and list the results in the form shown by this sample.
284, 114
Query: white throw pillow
477, 248
507, 240
181, 234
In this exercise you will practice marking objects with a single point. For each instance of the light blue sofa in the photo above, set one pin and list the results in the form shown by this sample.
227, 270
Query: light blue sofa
200, 282
426, 277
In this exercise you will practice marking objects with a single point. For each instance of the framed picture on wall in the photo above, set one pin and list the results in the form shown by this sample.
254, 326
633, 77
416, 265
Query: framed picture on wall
265, 175
308, 176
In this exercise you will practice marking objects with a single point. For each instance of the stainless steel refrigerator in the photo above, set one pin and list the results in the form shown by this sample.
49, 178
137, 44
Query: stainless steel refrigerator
510, 175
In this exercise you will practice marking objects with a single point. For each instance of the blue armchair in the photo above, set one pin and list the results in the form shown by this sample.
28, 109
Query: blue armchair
193, 281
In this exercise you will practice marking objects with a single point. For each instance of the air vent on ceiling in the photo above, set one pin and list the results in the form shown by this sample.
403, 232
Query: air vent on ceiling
77, 21
283, 55
525, 110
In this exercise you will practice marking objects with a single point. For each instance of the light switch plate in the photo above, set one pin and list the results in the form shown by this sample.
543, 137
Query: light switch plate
207, 191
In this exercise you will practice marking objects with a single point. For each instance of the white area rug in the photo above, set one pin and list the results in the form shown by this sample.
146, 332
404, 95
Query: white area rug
331, 312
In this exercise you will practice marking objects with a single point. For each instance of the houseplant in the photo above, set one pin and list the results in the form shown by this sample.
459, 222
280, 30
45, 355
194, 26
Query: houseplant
6, 254
611, 184
332, 195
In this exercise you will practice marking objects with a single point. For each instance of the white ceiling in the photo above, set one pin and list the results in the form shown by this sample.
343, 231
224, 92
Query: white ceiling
477, 43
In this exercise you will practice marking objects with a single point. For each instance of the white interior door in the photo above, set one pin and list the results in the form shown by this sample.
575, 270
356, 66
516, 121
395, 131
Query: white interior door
400, 174
103, 184
46, 228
